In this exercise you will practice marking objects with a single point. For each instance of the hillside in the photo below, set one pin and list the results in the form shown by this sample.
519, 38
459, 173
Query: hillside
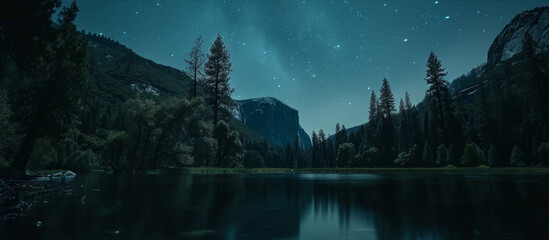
118, 74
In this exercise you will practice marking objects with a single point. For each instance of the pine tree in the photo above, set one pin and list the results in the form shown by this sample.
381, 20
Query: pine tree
343, 134
315, 150
322, 148
373, 107
217, 70
386, 100
427, 155
337, 136
195, 62
401, 107
387, 131
407, 101
438, 89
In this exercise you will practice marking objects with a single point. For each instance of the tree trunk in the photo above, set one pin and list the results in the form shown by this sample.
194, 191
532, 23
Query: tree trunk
23, 155
216, 101
194, 91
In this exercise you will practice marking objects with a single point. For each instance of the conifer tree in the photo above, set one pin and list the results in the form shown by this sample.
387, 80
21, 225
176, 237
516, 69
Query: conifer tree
438, 89
315, 150
322, 147
373, 107
217, 69
407, 101
386, 100
427, 155
343, 134
194, 63
401, 107
387, 131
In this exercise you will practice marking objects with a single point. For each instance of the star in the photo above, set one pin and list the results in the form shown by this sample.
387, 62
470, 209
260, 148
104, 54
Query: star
406, 40
436, 2
447, 17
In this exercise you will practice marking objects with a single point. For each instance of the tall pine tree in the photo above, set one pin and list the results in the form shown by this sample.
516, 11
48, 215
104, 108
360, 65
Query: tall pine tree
438, 89
386, 100
217, 70
387, 132
373, 107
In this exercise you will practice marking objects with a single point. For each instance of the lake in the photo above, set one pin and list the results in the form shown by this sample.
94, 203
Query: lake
289, 206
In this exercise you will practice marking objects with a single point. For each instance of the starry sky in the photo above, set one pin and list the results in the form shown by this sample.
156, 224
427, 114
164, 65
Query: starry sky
321, 57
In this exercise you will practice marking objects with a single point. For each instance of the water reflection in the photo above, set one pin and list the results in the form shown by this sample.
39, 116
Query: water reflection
287, 206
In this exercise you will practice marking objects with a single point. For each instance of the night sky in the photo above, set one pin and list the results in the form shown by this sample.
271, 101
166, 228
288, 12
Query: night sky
320, 57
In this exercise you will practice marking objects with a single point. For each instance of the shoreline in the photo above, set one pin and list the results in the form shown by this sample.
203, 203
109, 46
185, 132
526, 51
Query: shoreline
207, 170
216, 170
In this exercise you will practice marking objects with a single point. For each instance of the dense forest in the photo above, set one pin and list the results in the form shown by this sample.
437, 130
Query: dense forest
58, 109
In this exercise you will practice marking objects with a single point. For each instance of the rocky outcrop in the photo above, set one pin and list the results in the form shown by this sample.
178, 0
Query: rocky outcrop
273, 119
530, 27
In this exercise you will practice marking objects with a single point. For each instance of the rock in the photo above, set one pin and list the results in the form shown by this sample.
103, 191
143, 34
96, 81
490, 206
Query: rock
64, 174
511, 40
273, 119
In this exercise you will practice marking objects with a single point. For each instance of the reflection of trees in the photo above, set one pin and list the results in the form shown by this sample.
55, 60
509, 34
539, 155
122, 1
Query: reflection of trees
279, 206
436, 206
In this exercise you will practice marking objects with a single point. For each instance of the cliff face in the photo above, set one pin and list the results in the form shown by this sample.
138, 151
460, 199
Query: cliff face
518, 55
273, 119
530, 28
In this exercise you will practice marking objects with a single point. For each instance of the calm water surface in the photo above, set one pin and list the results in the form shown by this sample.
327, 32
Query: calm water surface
290, 206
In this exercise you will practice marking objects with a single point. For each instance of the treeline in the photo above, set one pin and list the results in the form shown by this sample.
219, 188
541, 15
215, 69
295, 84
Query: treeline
53, 113
495, 126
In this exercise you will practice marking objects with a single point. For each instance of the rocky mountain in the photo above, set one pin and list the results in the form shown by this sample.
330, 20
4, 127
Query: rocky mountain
519, 54
273, 119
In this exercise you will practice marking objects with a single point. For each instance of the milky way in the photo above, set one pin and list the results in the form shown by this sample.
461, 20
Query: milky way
320, 57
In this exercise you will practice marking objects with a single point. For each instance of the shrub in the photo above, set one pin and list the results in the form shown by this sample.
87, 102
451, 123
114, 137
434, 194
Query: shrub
252, 159
442, 155
543, 153
403, 159
43, 155
517, 157
472, 156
